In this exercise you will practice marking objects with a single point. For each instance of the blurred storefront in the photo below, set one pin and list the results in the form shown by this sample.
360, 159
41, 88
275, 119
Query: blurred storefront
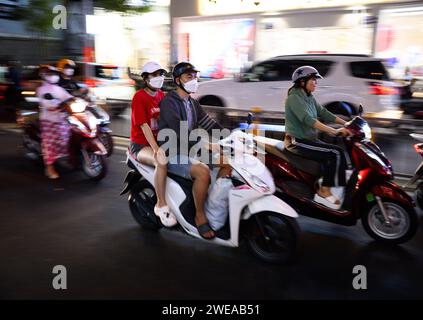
20, 44
223, 36
130, 40
400, 42
218, 47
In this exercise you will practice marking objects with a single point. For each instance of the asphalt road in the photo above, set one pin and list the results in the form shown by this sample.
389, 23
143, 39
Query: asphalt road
87, 227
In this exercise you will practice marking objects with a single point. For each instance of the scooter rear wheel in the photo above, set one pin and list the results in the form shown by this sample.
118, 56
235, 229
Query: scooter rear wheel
142, 199
272, 237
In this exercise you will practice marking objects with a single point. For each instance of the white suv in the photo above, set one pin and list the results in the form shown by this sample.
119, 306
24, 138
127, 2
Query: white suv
349, 80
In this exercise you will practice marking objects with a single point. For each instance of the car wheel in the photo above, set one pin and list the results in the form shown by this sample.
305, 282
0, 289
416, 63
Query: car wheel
211, 101
214, 102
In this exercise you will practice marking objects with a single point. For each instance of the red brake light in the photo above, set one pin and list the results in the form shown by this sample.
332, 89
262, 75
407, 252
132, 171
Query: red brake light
379, 89
419, 148
92, 83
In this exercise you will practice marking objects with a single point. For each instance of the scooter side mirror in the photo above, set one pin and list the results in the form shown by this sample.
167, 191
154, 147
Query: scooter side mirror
250, 118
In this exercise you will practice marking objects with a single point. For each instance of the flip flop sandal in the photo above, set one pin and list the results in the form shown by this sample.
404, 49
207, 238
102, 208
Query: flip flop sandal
167, 218
203, 229
329, 202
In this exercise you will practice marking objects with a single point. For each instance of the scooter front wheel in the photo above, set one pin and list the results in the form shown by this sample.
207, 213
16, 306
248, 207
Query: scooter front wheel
94, 166
401, 227
107, 140
419, 195
272, 237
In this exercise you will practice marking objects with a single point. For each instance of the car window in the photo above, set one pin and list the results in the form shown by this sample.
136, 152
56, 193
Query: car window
323, 66
30, 73
3, 71
108, 72
282, 70
374, 70
270, 71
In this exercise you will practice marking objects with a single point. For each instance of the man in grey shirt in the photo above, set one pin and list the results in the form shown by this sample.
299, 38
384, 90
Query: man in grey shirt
176, 107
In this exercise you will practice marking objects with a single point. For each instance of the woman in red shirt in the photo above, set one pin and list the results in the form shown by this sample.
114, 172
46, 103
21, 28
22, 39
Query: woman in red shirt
144, 129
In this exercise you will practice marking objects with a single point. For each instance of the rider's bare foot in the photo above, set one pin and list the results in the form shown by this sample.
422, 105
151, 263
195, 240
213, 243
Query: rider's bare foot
203, 227
51, 173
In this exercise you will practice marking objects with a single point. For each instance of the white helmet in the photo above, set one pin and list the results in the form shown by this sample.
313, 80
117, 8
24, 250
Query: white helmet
151, 67
305, 72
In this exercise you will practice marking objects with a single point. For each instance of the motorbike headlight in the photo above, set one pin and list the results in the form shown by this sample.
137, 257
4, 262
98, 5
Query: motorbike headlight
74, 121
260, 184
78, 106
384, 168
92, 122
256, 182
367, 132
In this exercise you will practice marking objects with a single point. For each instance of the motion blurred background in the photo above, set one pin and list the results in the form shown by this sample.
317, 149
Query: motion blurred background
220, 37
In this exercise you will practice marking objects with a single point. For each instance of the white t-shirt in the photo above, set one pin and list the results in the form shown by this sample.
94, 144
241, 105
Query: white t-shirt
59, 95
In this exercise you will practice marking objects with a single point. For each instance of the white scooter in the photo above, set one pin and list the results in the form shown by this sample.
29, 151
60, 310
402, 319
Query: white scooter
267, 223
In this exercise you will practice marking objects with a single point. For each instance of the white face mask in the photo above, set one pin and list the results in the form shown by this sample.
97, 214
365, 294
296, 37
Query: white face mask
68, 72
191, 86
52, 78
156, 82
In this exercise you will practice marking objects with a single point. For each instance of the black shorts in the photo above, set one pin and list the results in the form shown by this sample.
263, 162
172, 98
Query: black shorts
135, 148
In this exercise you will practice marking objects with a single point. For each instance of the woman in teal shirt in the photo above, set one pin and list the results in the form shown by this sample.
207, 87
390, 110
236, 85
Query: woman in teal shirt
303, 118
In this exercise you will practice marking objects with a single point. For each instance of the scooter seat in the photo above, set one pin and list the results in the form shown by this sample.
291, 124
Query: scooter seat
183, 182
310, 166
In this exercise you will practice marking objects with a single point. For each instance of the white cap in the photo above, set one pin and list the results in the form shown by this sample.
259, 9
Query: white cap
151, 67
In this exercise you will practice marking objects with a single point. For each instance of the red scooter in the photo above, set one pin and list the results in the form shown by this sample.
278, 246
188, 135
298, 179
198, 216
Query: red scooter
386, 211
86, 151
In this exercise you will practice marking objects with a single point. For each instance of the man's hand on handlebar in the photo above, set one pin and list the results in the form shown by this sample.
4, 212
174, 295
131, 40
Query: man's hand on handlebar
343, 132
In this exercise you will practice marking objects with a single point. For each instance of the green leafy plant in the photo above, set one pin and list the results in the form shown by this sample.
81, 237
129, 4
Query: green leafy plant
38, 14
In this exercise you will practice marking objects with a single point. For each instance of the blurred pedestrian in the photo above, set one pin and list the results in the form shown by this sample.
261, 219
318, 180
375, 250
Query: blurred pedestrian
55, 131
407, 75
67, 67
13, 92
